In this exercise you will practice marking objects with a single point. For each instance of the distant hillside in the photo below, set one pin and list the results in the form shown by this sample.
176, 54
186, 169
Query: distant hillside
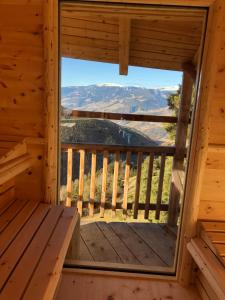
93, 131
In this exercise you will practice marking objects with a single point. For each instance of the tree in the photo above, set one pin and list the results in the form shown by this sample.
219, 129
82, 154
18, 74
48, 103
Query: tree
173, 104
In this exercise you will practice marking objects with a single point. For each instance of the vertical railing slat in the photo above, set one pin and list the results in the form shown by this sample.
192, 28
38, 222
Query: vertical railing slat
104, 183
69, 176
160, 186
81, 182
149, 185
126, 182
92, 185
115, 181
138, 180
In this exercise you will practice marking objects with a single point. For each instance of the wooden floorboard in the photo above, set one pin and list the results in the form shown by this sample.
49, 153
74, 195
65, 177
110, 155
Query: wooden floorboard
126, 256
157, 239
98, 245
99, 287
84, 252
143, 244
137, 245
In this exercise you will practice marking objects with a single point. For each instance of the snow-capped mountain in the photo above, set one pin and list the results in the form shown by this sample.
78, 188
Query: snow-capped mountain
115, 98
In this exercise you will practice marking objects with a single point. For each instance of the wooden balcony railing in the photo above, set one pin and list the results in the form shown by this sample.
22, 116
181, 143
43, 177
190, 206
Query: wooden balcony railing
114, 154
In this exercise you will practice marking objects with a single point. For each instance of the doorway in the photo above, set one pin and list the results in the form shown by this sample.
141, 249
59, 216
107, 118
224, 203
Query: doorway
133, 178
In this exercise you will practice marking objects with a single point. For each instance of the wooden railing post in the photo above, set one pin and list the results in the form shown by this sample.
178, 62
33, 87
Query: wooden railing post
104, 183
126, 182
180, 146
149, 185
81, 182
69, 176
160, 186
138, 181
92, 186
115, 182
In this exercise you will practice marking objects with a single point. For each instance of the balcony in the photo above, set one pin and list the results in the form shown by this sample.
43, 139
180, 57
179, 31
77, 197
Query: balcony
123, 195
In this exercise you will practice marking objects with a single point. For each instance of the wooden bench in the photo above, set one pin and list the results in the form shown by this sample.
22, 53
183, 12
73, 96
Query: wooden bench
206, 252
34, 238
213, 234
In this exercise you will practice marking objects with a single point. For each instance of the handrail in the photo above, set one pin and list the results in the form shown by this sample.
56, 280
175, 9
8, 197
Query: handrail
168, 150
124, 117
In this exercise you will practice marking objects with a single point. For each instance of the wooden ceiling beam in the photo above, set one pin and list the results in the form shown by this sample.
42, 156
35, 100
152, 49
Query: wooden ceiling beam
124, 44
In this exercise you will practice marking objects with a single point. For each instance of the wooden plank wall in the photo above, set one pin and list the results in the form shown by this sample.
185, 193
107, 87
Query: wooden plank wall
22, 85
212, 196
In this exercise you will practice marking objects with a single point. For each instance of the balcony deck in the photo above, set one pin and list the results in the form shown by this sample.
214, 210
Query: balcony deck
118, 244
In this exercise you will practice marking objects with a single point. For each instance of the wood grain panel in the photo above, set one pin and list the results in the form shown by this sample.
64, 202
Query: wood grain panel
22, 85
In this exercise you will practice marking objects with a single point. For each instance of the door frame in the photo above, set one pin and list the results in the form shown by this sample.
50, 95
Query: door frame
199, 143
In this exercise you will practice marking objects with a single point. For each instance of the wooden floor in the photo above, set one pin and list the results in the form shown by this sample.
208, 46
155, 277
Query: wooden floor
75, 284
144, 244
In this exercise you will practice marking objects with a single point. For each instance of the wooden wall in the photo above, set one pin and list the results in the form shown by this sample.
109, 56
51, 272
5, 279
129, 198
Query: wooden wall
22, 95
22, 85
212, 196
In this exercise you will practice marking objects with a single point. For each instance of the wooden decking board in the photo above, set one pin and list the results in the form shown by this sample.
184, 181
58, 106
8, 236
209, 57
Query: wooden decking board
24, 270
8, 235
10, 213
157, 239
171, 230
98, 245
136, 245
140, 244
44, 282
15, 251
118, 245
85, 254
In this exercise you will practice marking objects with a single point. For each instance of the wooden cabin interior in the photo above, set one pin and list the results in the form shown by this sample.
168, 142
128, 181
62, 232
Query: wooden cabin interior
37, 234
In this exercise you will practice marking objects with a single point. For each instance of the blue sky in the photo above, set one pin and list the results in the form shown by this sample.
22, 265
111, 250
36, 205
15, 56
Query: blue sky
80, 72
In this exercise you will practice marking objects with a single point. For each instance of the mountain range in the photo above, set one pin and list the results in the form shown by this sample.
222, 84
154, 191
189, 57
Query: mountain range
122, 99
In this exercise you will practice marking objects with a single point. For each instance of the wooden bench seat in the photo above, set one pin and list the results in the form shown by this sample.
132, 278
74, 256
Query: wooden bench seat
34, 238
213, 234
211, 273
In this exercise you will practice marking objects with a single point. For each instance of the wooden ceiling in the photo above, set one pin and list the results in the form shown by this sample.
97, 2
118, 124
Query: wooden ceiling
145, 36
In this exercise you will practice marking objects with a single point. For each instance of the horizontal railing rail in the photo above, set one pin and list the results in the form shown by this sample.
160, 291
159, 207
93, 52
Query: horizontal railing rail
124, 117
113, 148
116, 152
